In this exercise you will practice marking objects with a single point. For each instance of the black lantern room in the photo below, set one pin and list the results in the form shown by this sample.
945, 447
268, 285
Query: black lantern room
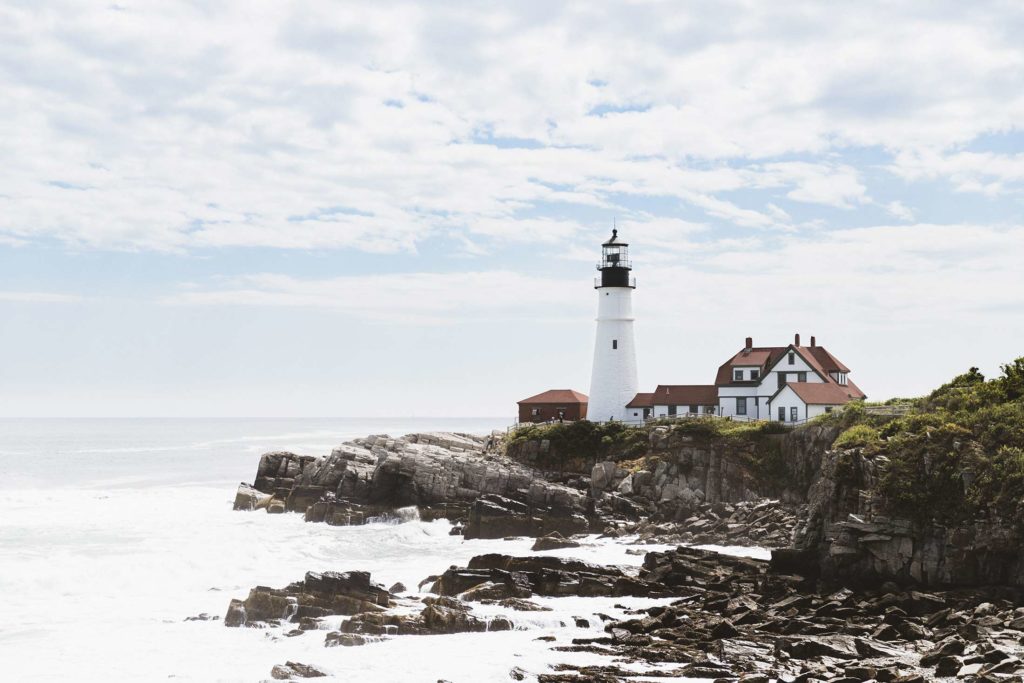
615, 265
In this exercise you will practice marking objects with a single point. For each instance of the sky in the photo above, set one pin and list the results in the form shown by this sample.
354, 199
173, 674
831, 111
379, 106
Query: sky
251, 208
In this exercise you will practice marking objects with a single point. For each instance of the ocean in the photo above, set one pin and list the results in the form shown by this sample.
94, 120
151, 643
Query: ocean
114, 532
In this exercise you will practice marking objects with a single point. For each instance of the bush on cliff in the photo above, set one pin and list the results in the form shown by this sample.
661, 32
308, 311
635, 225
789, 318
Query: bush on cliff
578, 445
999, 484
959, 452
857, 436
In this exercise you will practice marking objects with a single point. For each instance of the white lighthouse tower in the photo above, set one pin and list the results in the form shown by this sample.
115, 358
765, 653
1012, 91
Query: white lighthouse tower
613, 383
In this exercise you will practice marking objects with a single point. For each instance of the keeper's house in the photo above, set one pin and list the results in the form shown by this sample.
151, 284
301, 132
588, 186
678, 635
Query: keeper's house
783, 383
554, 405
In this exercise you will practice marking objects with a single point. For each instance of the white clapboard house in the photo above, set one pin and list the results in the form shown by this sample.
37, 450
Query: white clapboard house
783, 383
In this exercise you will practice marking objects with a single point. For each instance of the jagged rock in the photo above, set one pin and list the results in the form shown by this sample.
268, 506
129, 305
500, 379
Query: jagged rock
522, 605
283, 672
202, 617
440, 615
948, 666
455, 476
236, 614
318, 595
337, 639
399, 587
250, 498
553, 541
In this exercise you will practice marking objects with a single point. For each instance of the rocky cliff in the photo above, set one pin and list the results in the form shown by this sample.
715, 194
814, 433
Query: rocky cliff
456, 476
682, 471
849, 535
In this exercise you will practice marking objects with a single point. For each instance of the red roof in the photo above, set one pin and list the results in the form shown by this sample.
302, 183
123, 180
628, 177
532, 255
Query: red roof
827, 393
556, 396
641, 401
759, 356
686, 394
826, 359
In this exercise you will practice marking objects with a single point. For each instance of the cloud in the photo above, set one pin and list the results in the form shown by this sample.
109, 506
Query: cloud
404, 298
870, 275
38, 297
381, 126
986, 173
900, 210
837, 186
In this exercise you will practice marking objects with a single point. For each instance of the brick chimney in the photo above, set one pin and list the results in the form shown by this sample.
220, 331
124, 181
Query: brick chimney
813, 342
796, 339
750, 342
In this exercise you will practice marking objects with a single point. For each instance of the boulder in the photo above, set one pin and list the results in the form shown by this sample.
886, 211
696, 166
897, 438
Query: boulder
284, 672
250, 498
317, 595
553, 541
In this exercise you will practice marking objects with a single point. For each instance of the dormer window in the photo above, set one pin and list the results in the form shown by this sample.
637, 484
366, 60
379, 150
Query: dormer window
755, 374
801, 377
792, 358
737, 375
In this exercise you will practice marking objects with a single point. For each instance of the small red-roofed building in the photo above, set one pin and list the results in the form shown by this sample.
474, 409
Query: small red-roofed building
554, 405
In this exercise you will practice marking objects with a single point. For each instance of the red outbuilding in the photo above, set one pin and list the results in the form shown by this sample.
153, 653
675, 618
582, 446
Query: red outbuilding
554, 405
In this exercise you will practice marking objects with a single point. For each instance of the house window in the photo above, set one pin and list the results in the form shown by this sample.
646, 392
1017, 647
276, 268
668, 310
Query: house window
828, 409
792, 358
792, 414
842, 378
737, 375
782, 414
534, 412
693, 410
741, 405
801, 377
615, 343
710, 410
671, 410
755, 374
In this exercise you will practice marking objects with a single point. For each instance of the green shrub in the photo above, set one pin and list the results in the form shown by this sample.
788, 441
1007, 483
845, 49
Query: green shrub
857, 436
999, 483
578, 445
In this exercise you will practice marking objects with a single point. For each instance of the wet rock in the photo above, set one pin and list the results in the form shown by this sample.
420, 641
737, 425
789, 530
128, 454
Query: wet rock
950, 646
236, 614
318, 595
397, 588
553, 541
948, 666
455, 476
283, 672
522, 605
202, 617
338, 639
250, 498
440, 615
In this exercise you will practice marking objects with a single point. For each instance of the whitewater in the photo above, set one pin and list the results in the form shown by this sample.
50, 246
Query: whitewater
115, 532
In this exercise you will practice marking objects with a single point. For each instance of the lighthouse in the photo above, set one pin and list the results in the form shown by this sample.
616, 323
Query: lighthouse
613, 383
